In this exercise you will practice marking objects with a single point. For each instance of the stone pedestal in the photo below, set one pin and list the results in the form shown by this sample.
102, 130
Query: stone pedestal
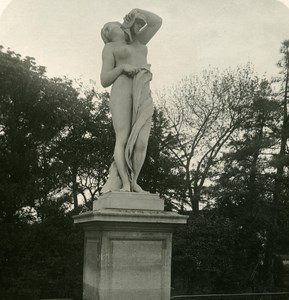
127, 254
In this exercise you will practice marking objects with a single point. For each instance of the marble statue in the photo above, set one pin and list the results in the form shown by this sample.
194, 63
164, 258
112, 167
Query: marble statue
125, 67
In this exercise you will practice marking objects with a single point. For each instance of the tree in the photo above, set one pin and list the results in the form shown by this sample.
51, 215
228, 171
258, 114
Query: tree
83, 146
281, 163
203, 112
243, 191
32, 113
33, 110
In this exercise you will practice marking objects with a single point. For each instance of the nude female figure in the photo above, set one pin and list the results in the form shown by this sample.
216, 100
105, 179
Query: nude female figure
124, 59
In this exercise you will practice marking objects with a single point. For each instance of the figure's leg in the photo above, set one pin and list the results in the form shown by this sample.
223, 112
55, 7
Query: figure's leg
140, 154
120, 106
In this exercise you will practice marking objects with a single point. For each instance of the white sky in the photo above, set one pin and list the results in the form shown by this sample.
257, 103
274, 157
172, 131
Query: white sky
3, 4
285, 2
64, 35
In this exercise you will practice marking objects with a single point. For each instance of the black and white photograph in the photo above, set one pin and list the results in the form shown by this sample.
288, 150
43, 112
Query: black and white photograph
144, 150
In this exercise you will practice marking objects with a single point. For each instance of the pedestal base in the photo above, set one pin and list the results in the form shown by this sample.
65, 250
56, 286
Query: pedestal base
127, 252
123, 200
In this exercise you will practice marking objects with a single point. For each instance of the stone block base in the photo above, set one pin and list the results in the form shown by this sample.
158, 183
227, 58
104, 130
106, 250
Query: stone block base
127, 253
125, 200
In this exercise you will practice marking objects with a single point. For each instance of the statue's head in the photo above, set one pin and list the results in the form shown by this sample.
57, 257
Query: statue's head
137, 25
133, 27
110, 30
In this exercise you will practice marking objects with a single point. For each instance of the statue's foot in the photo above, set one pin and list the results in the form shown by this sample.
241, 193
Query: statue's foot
125, 188
138, 189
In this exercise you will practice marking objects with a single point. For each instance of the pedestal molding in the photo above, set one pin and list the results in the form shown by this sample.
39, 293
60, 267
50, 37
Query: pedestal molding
128, 251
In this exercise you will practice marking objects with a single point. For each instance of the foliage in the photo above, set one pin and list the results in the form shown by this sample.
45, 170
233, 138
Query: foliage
203, 112
43, 259
205, 257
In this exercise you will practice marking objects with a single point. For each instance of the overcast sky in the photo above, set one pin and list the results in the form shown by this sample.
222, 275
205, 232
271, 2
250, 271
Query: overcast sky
64, 35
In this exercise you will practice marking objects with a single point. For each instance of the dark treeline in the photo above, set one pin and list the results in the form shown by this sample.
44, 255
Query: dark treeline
218, 151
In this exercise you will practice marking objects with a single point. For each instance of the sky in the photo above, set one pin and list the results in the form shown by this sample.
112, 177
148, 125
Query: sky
64, 35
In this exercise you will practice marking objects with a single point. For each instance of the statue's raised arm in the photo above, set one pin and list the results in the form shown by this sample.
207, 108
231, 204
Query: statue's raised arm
141, 25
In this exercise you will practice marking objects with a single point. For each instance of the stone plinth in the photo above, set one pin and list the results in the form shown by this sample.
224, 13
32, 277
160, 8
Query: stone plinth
122, 200
127, 253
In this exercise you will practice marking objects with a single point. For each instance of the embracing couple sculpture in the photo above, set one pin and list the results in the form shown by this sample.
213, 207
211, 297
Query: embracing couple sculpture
125, 67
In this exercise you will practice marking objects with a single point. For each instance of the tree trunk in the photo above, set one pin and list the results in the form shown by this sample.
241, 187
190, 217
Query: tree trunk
74, 187
190, 190
196, 201
284, 136
253, 169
